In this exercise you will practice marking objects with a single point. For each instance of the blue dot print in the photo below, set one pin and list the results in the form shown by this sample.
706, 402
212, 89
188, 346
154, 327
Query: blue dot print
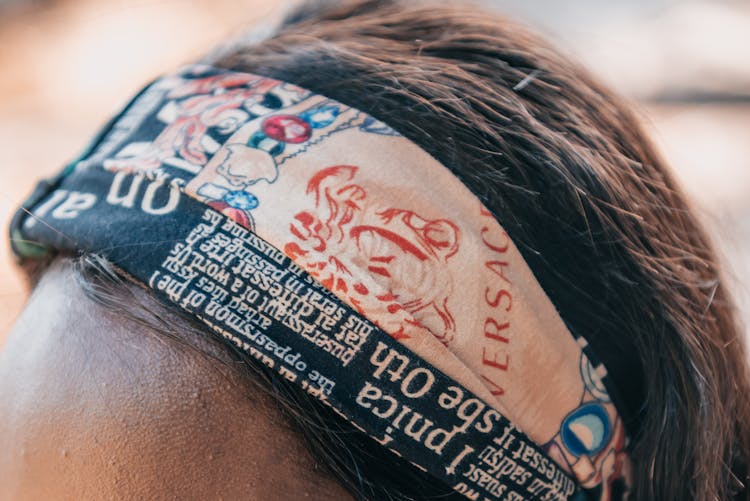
241, 200
586, 430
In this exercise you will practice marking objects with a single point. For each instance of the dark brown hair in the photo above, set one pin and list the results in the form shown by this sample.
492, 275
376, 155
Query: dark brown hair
565, 168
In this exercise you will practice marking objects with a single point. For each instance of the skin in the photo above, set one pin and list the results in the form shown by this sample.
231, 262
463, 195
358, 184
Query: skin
93, 406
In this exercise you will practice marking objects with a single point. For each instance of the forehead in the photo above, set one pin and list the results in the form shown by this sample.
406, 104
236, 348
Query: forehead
94, 405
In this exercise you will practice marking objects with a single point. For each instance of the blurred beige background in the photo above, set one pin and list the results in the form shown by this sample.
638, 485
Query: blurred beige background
68, 64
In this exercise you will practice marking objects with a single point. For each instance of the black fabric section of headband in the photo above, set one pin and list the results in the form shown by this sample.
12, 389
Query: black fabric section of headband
195, 258
252, 294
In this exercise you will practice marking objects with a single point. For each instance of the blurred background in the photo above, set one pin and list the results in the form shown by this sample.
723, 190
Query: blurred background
68, 64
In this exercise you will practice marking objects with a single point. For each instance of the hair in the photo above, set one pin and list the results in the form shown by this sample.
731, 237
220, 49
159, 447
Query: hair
564, 166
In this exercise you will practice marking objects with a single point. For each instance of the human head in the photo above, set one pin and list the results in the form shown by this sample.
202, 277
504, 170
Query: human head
579, 190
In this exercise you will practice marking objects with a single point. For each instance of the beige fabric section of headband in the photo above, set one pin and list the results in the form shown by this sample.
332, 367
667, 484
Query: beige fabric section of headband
397, 236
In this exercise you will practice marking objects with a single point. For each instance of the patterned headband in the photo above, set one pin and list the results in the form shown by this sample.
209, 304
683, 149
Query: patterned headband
334, 250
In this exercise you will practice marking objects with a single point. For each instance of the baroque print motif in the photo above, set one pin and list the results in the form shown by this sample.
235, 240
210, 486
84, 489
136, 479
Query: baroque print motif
241, 124
403, 251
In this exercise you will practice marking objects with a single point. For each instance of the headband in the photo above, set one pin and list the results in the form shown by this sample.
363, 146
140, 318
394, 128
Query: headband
329, 247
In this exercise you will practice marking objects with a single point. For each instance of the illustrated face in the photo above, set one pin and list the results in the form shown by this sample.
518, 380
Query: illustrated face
244, 166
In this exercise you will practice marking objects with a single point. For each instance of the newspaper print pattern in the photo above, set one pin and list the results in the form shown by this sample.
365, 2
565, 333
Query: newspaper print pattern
357, 217
257, 298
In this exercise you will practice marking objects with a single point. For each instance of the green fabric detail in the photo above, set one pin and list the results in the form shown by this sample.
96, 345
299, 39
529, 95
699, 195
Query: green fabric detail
27, 249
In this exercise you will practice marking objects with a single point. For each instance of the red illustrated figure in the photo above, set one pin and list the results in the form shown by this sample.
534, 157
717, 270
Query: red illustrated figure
404, 254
